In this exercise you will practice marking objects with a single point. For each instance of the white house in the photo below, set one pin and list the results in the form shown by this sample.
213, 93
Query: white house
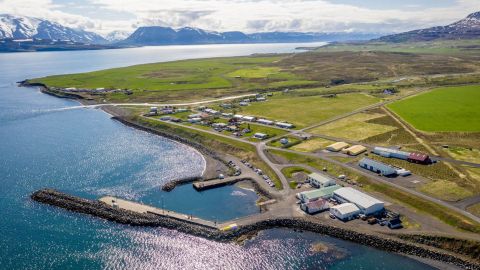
366, 203
345, 211
315, 206
320, 181
284, 125
249, 118
265, 122
261, 136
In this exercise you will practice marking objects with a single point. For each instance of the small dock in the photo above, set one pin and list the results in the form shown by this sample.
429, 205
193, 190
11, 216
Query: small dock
142, 208
204, 185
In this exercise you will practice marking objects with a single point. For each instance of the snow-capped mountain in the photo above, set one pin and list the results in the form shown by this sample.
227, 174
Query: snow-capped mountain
23, 27
157, 35
117, 35
468, 28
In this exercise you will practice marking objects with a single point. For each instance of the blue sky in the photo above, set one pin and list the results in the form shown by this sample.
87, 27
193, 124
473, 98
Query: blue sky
380, 16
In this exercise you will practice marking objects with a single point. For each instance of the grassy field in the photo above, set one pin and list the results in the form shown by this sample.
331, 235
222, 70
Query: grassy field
304, 111
312, 145
443, 109
463, 153
446, 190
474, 209
354, 127
431, 47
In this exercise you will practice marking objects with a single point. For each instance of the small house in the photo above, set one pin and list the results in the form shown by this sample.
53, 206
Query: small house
314, 207
249, 118
238, 116
243, 103
195, 120
337, 147
261, 99
154, 110
260, 136
284, 141
284, 125
265, 122
227, 115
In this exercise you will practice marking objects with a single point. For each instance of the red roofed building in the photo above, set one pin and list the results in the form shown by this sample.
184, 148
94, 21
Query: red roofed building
419, 158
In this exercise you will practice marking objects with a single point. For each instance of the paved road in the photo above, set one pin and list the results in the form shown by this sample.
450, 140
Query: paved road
153, 104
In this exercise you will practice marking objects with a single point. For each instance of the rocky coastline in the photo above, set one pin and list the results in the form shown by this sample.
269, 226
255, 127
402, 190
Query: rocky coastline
104, 211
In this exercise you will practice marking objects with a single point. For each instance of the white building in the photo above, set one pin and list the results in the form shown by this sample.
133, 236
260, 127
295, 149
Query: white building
366, 203
320, 181
265, 122
261, 136
249, 118
345, 211
243, 103
284, 125
238, 116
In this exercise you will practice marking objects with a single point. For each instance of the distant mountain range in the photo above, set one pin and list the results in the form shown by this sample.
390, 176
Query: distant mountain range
22, 33
468, 28
22, 27
157, 35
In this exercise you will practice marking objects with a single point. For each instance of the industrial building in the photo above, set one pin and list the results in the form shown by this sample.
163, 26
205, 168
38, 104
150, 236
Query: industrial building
337, 147
377, 167
354, 150
314, 207
313, 195
366, 203
391, 153
320, 181
345, 211
413, 157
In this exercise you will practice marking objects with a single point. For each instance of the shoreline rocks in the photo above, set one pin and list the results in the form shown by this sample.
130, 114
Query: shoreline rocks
104, 211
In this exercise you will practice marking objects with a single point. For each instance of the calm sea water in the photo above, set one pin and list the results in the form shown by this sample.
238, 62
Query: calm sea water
86, 153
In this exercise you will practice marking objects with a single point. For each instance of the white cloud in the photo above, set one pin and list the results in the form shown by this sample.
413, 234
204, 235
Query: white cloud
244, 15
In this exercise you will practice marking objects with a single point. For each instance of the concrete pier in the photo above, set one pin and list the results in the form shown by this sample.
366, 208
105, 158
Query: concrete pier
204, 185
146, 209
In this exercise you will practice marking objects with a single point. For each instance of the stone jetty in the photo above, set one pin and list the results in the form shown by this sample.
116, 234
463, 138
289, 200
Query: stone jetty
103, 210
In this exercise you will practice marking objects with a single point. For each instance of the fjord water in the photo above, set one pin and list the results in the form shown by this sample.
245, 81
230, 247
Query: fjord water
84, 152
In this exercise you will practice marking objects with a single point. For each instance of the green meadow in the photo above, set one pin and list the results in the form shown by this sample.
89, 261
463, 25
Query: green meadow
454, 109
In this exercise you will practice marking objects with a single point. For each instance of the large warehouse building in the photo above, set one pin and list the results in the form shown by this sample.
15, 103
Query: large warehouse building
413, 157
366, 203
377, 167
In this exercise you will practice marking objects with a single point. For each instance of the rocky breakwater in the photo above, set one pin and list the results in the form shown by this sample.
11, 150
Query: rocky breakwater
170, 185
390, 244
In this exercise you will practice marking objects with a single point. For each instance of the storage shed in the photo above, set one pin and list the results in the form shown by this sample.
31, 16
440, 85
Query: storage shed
345, 211
391, 153
284, 125
265, 122
420, 158
366, 203
312, 195
377, 167
320, 181
354, 150
336, 147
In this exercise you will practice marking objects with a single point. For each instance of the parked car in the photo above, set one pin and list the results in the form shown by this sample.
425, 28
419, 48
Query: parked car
372, 221
332, 216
